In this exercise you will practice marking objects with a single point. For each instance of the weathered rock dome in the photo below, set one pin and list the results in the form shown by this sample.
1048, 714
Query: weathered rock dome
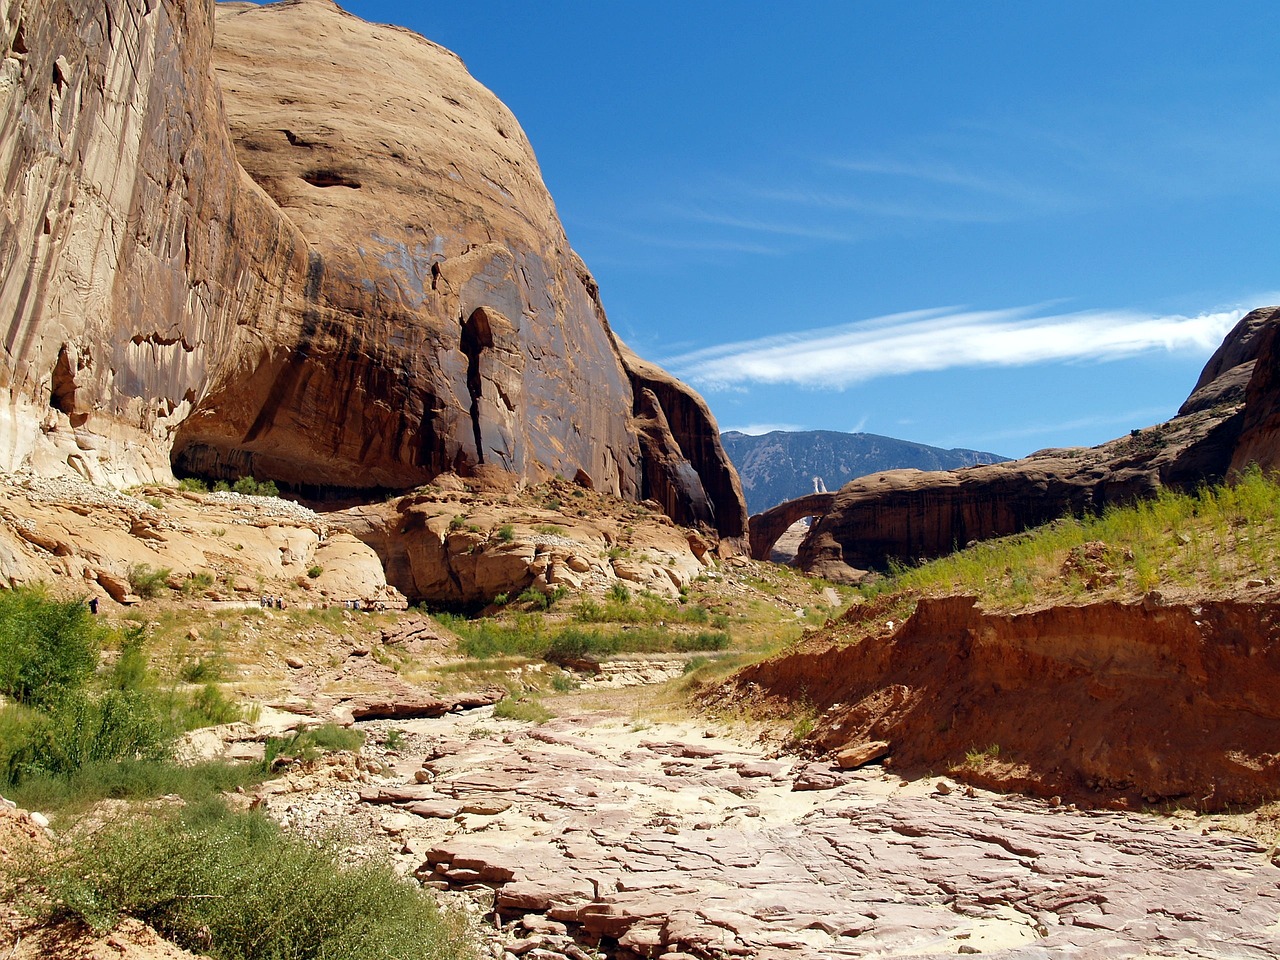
303, 247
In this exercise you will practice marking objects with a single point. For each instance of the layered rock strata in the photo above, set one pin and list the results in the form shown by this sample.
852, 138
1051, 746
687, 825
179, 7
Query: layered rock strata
1133, 703
1229, 421
348, 278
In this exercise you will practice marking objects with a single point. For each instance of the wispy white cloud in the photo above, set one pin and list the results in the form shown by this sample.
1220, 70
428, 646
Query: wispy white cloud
1130, 419
981, 189
751, 224
946, 338
759, 429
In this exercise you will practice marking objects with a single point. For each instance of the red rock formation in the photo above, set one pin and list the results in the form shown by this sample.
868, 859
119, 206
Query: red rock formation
1260, 430
133, 250
908, 515
387, 295
1100, 701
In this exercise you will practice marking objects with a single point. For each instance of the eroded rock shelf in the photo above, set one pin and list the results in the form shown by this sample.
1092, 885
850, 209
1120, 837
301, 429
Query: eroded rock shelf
665, 842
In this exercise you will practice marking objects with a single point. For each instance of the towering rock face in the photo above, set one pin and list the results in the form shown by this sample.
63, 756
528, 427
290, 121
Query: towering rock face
442, 323
348, 278
133, 250
1229, 421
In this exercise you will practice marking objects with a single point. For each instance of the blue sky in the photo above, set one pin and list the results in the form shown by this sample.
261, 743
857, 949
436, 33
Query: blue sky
994, 225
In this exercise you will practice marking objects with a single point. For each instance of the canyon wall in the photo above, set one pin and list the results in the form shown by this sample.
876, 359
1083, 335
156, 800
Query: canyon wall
1228, 422
334, 264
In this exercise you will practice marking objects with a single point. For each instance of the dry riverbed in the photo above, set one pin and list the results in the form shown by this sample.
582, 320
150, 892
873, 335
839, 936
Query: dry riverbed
596, 835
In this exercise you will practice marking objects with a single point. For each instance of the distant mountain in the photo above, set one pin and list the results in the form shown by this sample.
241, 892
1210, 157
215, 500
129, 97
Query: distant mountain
781, 465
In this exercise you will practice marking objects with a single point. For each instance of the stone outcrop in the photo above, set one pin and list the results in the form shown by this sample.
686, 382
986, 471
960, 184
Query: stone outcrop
91, 540
1230, 420
769, 526
335, 265
462, 549
686, 469
1134, 703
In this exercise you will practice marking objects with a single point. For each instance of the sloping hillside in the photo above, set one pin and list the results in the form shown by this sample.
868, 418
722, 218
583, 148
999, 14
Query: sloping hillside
782, 465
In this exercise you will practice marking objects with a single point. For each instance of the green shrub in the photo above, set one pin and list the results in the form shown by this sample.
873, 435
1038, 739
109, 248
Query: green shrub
81, 730
540, 600
620, 592
395, 739
197, 584
573, 644
64, 718
311, 742
254, 488
528, 711
235, 886
485, 639
500, 599
315, 571
47, 647
550, 529
146, 582
193, 485
506, 533
208, 669
565, 683
130, 779
706, 640
207, 707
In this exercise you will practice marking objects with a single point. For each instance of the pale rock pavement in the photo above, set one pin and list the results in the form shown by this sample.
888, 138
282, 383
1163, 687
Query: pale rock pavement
636, 840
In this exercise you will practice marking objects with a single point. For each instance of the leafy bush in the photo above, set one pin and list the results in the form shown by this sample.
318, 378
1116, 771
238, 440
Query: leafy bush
65, 718
311, 742
146, 582
197, 584
540, 600
207, 707
130, 779
528, 711
47, 647
573, 644
315, 571
193, 485
706, 640
235, 886
620, 592
254, 488
204, 669
485, 639
506, 533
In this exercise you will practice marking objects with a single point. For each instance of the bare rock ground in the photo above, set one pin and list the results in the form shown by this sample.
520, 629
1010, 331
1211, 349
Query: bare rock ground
596, 833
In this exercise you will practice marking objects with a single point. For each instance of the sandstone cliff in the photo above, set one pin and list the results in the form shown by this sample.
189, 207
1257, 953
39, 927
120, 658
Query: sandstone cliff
349, 278
1229, 420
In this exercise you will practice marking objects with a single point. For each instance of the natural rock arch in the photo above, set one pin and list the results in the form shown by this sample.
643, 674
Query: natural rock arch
768, 526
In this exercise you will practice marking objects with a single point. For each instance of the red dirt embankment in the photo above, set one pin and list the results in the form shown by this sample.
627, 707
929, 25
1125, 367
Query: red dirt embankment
1104, 703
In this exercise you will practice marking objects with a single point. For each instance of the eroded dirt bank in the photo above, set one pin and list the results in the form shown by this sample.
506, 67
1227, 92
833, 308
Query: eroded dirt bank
593, 832
1109, 702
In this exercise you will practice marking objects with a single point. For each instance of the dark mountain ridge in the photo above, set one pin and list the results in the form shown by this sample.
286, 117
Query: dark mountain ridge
782, 465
